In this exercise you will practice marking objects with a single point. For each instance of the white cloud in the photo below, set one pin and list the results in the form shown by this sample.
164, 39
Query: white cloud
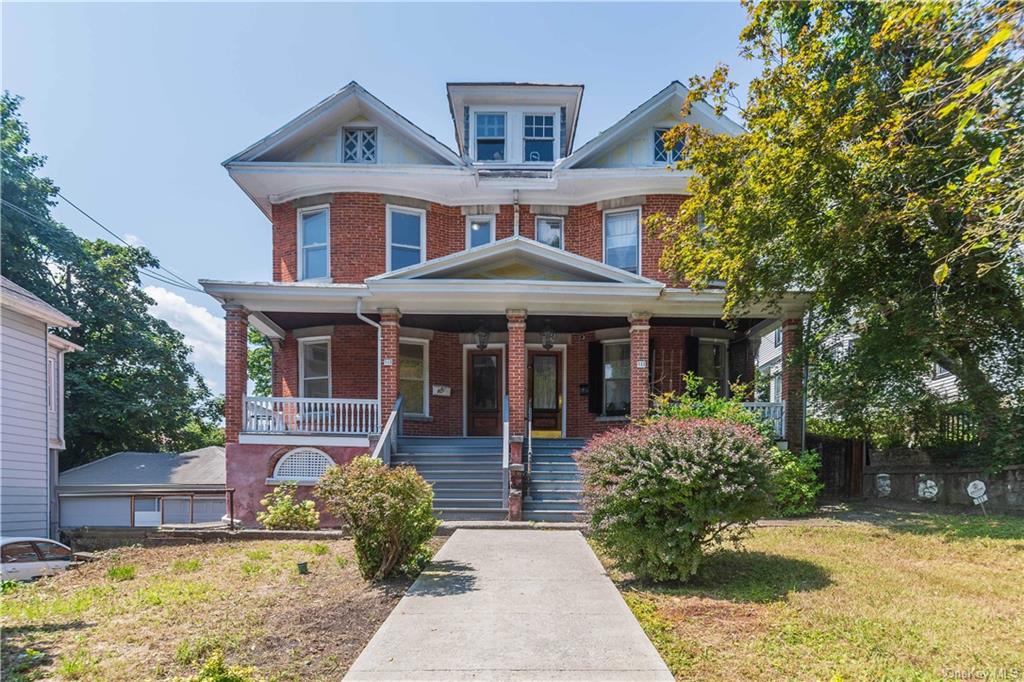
203, 331
134, 239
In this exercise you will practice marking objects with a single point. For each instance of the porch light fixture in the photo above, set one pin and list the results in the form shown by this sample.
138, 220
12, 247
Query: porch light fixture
481, 338
548, 339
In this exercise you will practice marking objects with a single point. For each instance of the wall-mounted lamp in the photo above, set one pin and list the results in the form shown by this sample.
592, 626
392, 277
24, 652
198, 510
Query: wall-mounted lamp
548, 339
481, 338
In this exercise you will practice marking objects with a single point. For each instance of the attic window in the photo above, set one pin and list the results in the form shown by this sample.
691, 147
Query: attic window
539, 137
662, 155
359, 146
490, 137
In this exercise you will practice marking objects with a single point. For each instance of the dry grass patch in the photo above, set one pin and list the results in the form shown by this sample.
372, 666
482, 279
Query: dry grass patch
184, 604
920, 597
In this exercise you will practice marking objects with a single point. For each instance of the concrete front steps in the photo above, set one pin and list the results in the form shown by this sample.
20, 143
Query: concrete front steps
553, 494
465, 473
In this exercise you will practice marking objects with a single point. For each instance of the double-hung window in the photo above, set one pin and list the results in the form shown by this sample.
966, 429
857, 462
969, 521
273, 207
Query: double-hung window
490, 137
359, 145
616, 378
414, 375
777, 337
479, 230
313, 236
663, 155
538, 137
551, 231
622, 239
315, 368
406, 237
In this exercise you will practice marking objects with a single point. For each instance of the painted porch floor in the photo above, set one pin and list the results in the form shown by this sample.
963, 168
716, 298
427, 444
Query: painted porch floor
511, 605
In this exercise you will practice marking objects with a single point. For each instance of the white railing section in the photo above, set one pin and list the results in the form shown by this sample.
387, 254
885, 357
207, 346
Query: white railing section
504, 448
773, 413
338, 416
388, 443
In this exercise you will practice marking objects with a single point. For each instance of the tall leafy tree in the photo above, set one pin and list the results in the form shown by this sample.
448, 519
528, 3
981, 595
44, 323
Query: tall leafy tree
881, 169
133, 387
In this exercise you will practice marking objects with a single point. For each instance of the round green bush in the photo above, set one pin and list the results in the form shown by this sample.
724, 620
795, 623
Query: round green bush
388, 510
659, 495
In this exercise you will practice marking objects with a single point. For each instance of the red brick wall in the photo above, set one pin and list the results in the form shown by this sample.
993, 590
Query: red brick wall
792, 381
354, 361
358, 234
236, 371
639, 354
445, 370
388, 352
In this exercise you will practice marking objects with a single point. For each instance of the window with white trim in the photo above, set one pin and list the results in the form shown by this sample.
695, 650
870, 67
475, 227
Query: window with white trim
359, 145
622, 239
490, 136
938, 371
406, 228
414, 375
538, 137
303, 465
777, 337
616, 375
313, 234
551, 231
775, 392
479, 230
663, 155
315, 368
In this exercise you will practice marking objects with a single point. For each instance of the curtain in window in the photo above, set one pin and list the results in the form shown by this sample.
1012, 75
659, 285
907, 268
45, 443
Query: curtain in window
621, 240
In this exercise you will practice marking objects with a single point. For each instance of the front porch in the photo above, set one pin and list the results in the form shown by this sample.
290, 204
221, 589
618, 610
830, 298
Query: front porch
513, 342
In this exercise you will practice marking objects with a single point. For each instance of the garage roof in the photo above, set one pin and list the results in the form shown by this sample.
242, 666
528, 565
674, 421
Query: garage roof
145, 470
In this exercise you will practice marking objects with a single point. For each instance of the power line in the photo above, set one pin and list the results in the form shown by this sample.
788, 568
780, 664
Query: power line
118, 237
182, 283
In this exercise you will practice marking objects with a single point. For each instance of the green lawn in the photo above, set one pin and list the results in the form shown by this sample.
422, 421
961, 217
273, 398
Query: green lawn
902, 597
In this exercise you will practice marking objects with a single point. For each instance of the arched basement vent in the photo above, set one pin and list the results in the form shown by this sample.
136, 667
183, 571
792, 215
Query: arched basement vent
302, 464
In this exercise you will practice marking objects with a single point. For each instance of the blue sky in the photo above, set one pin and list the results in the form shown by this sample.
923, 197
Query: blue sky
137, 105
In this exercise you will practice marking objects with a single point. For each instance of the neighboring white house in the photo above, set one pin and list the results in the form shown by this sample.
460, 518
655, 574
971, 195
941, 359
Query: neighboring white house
144, 489
31, 410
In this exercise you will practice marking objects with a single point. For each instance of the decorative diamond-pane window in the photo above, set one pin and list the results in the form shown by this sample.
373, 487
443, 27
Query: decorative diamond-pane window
662, 155
360, 145
539, 137
302, 464
490, 137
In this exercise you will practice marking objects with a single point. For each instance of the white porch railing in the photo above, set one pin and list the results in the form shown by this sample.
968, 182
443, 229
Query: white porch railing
774, 413
336, 416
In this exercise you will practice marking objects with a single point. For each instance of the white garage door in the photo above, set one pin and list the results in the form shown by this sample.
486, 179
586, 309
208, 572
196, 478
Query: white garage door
76, 512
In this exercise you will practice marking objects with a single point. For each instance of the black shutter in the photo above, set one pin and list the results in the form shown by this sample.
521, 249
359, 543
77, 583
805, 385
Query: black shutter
595, 363
692, 348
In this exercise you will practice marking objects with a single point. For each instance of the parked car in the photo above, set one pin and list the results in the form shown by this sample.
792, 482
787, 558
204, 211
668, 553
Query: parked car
30, 558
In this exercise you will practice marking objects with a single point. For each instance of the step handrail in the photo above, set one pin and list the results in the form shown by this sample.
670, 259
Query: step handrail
387, 444
504, 449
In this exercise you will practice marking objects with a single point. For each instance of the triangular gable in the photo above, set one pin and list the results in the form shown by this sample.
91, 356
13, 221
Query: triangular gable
644, 116
519, 259
354, 100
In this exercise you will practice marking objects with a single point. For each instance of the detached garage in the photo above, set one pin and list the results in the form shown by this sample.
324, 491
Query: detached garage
139, 489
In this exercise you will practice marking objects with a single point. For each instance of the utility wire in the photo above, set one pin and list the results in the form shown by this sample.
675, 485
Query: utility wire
182, 283
118, 237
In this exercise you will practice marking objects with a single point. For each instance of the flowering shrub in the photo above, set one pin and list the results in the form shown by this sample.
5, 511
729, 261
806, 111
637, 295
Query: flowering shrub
796, 487
283, 512
699, 399
660, 494
388, 510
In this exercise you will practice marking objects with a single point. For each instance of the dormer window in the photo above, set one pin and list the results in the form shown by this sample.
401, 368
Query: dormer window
538, 137
662, 155
490, 137
359, 145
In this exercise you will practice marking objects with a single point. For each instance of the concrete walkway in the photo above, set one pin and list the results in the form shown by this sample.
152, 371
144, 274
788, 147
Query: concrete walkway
511, 605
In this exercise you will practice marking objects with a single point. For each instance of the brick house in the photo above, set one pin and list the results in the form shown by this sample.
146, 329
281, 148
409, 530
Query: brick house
478, 313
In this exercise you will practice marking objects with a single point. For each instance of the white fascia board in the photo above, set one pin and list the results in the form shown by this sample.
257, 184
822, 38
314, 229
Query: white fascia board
293, 297
264, 325
62, 344
471, 287
792, 303
40, 310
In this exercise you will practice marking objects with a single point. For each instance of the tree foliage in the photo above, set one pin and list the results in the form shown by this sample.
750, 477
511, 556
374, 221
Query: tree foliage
259, 363
881, 169
133, 386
